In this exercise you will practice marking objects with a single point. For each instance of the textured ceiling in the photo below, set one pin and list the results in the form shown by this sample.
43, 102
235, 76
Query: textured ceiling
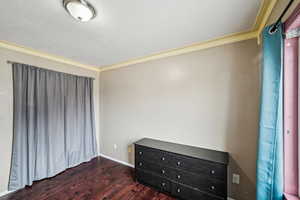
122, 30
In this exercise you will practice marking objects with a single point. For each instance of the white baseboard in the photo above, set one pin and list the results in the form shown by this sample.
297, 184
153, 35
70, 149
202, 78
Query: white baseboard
5, 193
116, 160
230, 198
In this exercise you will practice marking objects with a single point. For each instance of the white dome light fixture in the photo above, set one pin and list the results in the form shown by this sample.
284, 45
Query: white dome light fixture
81, 10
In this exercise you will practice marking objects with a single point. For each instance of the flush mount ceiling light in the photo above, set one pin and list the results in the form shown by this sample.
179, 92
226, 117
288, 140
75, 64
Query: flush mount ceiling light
80, 9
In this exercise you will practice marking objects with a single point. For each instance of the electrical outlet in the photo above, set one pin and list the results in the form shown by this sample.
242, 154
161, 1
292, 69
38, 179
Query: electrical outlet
115, 146
236, 178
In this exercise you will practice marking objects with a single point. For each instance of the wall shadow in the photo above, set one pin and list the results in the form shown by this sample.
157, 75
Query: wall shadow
242, 123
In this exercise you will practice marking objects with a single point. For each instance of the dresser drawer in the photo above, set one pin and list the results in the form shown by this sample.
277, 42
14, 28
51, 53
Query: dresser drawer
187, 193
197, 166
185, 172
154, 168
150, 179
153, 155
202, 182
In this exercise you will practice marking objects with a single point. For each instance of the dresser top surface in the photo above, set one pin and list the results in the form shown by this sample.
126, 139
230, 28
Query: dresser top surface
196, 152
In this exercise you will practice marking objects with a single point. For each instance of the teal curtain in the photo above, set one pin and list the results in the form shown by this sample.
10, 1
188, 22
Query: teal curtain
270, 143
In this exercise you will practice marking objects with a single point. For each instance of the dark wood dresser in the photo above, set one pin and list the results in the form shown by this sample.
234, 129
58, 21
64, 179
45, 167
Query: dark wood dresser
185, 172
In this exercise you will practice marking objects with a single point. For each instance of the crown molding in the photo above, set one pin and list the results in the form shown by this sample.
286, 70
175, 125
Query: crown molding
264, 13
29, 51
262, 17
259, 15
191, 48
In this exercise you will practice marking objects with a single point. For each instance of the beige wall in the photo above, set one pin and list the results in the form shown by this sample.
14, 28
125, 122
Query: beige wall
208, 98
6, 101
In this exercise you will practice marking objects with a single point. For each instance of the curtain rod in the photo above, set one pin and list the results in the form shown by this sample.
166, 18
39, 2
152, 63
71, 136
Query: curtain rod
12, 62
274, 28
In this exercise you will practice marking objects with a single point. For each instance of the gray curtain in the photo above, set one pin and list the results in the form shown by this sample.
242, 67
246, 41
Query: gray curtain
54, 125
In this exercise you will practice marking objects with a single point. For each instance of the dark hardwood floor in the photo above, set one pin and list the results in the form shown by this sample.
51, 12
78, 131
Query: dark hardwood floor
99, 179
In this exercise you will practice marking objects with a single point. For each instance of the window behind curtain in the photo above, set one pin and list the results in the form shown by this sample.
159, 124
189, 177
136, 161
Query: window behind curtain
54, 125
298, 118
291, 105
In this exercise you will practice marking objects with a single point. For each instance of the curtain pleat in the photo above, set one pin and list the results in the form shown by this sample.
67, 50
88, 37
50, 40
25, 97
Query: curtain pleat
54, 125
270, 141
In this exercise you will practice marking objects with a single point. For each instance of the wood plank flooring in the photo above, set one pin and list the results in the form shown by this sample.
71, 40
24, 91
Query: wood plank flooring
99, 179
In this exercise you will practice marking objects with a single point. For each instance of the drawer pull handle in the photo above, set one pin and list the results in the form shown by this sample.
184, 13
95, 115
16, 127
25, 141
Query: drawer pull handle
140, 164
140, 152
163, 158
163, 171
163, 184
212, 172
178, 163
178, 177
212, 188
178, 190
